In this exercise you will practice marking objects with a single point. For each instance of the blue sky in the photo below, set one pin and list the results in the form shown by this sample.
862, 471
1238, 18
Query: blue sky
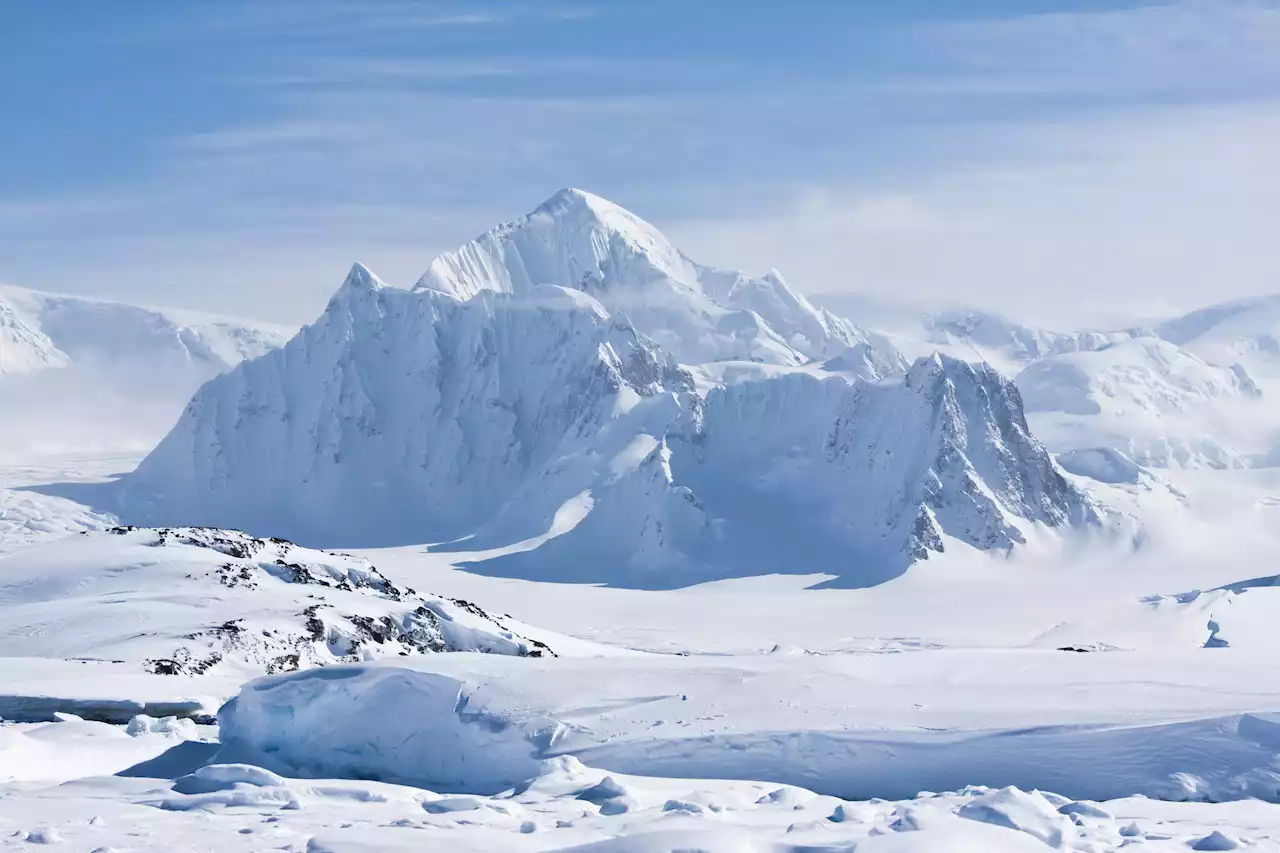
1048, 157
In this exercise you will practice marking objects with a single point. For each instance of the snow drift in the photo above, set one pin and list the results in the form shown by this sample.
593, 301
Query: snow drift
1089, 726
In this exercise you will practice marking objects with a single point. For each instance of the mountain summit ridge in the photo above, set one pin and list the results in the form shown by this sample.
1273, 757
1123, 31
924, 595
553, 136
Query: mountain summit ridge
699, 313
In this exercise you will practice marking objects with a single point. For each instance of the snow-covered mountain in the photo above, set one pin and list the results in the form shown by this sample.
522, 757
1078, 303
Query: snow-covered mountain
190, 601
433, 410
1173, 396
1246, 330
1007, 344
44, 330
697, 313
79, 374
23, 345
1139, 375
1154, 401
534, 397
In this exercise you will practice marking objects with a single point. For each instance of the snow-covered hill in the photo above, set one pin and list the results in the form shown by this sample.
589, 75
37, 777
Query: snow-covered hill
529, 395
1139, 375
190, 601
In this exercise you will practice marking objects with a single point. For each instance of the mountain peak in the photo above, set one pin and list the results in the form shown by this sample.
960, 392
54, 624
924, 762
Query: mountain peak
362, 277
580, 241
573, 239
587, 212
572, 197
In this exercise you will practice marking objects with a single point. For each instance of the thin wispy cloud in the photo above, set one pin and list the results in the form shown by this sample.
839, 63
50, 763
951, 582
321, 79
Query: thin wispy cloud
536, 76
1129, 215
911, 145
350, 18
1188, 48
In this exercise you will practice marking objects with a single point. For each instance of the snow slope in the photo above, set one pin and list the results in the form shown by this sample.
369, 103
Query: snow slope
529, 397
191, 601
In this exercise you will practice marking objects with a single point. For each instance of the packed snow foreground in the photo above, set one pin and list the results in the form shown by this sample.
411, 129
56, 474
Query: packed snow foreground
1018, 646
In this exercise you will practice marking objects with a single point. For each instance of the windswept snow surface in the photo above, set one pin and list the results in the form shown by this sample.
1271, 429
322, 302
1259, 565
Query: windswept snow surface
569, 808
545, 396
36, 503
72, 748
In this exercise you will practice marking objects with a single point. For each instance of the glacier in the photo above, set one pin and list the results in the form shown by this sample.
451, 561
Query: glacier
569, 397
